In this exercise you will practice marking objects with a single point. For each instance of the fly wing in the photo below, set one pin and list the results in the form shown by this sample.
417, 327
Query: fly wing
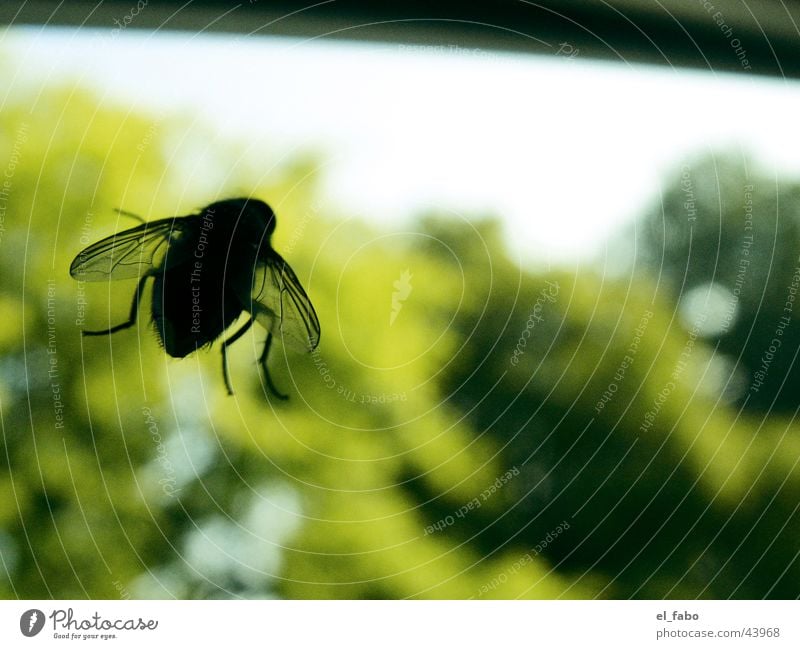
134, 252
279, 304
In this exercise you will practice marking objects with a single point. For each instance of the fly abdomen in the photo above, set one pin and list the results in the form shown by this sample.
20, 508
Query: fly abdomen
191, 308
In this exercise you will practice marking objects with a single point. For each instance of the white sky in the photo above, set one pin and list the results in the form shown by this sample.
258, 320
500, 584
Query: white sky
564, 151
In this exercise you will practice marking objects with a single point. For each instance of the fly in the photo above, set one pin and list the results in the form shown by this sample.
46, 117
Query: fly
207, 268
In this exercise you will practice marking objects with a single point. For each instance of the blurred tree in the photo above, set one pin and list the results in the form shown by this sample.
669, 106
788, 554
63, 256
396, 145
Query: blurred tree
609, 409
113, 480
480, 431
726, 238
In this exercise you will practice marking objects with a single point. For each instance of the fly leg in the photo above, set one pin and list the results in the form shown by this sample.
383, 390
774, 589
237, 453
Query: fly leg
129, 214
131, 318
267, 378
225, 344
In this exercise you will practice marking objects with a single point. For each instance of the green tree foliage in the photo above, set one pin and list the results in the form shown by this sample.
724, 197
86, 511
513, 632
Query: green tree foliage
466, 429
726, 238
613, 417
